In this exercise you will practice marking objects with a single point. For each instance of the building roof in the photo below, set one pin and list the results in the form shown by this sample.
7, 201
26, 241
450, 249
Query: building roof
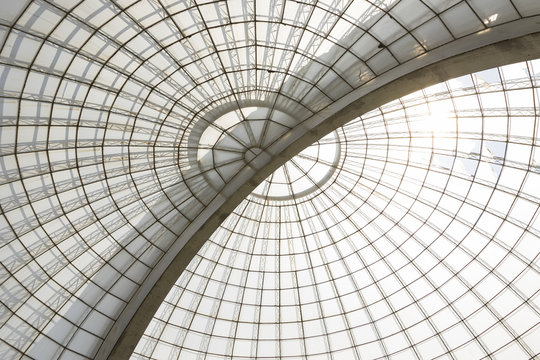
410, 232
131, 130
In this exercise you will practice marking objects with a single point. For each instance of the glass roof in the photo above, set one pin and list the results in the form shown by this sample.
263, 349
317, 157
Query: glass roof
126, 124
422, 243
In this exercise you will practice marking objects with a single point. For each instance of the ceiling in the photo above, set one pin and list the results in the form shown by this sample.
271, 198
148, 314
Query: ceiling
131, 129
410, 232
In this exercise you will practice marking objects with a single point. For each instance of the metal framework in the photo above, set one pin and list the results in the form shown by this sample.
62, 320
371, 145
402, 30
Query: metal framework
423, 243
129, 129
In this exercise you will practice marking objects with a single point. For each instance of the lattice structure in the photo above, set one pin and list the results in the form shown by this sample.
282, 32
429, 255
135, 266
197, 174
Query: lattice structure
126, 124
422, 244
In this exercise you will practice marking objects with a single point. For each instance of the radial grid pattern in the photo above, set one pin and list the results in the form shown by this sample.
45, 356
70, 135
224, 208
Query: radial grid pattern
123, 121
423, 243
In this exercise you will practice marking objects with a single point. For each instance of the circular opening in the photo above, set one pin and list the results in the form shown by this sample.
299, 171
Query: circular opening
235, 138
304, 174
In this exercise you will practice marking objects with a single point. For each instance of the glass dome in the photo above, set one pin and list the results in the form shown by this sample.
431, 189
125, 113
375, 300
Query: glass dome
131, 129
422, 244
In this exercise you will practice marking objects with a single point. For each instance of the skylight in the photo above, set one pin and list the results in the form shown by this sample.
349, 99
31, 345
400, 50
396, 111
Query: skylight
422, 242
130, 129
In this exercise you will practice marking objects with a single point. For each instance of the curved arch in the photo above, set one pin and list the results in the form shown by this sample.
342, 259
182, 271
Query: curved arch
435, 67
